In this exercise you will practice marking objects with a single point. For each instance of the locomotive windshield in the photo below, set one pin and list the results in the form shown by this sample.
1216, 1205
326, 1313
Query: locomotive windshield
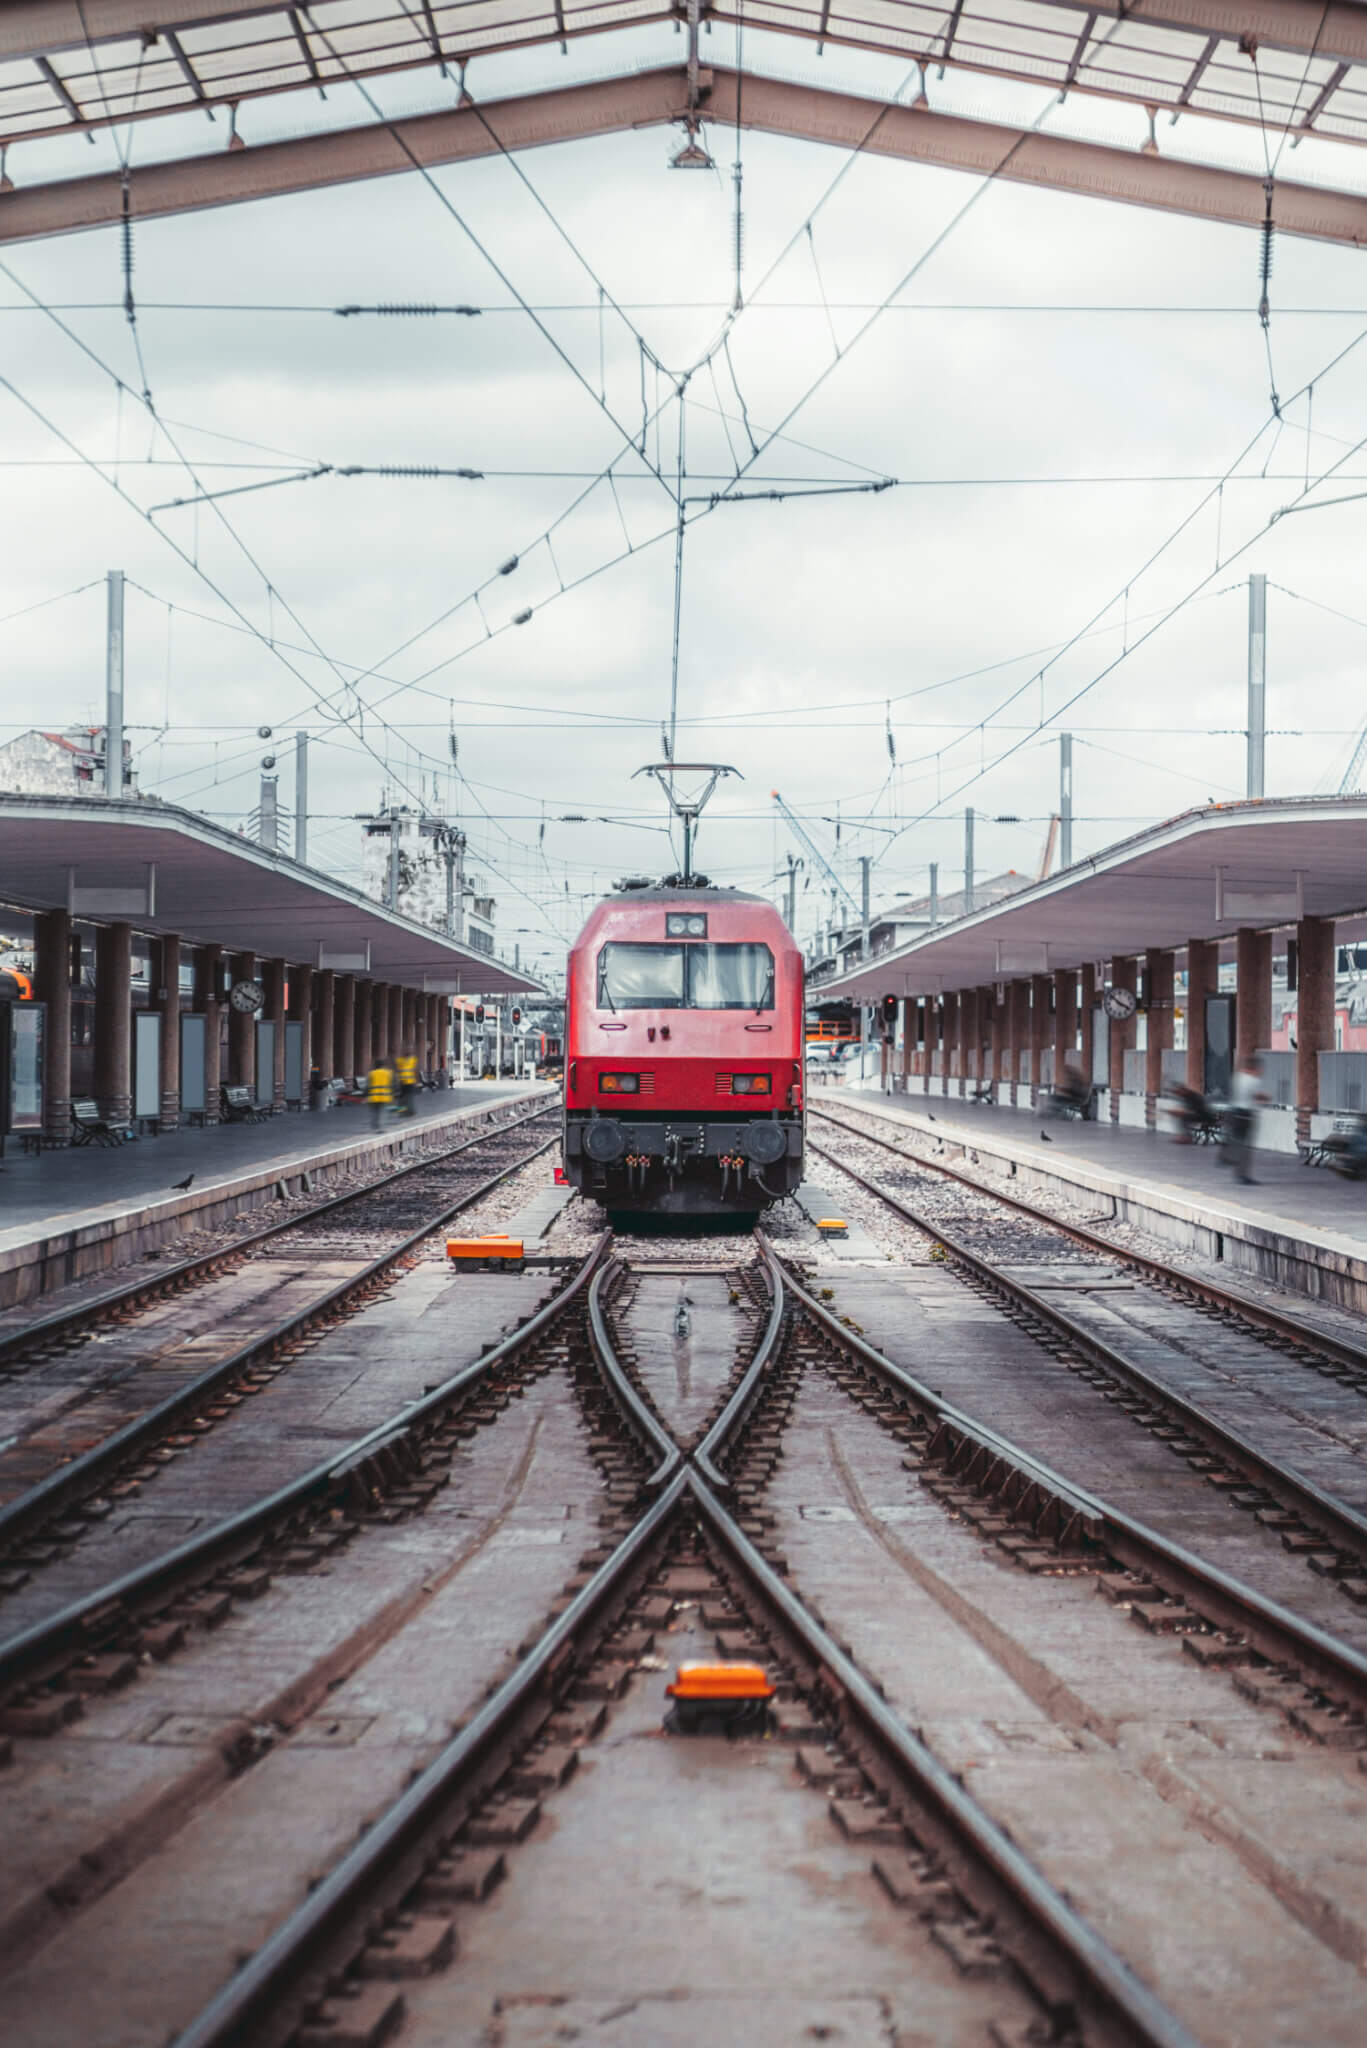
646, 977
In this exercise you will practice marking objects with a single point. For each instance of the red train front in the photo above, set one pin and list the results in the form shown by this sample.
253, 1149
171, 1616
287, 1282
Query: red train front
683, 1053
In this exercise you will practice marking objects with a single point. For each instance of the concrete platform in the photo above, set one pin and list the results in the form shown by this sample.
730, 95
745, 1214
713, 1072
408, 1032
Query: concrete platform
1302, 1227
65, 1216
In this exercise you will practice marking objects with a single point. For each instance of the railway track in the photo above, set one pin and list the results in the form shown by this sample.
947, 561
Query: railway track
1171, 1379
712, 1398
118, 1430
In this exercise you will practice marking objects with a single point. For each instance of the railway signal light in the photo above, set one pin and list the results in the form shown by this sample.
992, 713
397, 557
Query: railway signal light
517, 1016
479, 1013
889, 1010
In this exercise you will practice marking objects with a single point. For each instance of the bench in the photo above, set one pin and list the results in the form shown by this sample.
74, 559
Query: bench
1330, 1150
89, 1127
239, 1107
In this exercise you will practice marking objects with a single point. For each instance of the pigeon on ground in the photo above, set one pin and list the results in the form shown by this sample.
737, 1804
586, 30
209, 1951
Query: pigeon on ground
931, 1114
180, 1186
1046, 1137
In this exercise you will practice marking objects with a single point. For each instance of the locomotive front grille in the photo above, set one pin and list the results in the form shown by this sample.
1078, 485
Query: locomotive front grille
723, 1084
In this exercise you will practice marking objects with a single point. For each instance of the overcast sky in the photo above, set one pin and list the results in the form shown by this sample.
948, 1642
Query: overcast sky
809, 629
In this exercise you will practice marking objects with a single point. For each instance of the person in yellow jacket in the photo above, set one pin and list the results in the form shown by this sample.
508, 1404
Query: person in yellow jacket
407, 1068
379, 1092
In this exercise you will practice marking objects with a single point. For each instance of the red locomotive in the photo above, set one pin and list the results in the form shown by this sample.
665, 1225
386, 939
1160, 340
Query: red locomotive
683, 1053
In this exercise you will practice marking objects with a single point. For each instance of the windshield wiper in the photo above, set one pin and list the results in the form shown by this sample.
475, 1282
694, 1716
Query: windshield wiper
605, 994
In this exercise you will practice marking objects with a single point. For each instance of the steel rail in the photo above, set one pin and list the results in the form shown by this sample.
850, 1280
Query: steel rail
1274, 1631
1227, 1299
637, 1416
81, 1475
392, 1852
59, 1322
1121, 1993
1344, 1524
80, 1627
747, 1393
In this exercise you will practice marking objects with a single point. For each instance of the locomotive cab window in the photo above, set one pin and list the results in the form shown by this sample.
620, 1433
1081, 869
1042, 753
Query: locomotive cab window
695, 977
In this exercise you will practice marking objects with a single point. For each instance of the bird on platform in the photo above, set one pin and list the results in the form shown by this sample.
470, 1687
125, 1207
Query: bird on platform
180, 1186
931, 1114
1046, 1137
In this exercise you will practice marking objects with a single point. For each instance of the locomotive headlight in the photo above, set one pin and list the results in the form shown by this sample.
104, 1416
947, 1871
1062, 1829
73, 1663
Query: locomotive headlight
751, 1084
619, 1084
685, 924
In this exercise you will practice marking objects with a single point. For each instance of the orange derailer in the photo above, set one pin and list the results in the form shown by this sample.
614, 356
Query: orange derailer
719, 1699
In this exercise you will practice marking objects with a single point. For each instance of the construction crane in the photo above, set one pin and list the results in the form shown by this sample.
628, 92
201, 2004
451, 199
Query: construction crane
814, 853
1354, 768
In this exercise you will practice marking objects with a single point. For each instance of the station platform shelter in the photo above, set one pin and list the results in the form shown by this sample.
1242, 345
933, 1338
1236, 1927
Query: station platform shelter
1160, 961
174, 961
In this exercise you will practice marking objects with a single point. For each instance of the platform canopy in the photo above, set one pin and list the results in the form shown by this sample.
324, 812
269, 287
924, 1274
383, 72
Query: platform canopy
166, 870
1199, 876
1135, 85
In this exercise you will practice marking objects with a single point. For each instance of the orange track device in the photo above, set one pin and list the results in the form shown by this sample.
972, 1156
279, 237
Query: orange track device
716, 1698
495, 1246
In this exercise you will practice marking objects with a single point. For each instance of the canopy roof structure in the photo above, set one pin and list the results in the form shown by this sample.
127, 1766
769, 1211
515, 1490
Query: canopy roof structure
1198, 876
1295, 70
167, 870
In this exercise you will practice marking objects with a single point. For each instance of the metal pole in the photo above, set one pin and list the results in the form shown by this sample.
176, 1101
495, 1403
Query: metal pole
968, 858
113, 687
498, 1040
301, 796
449, 856
394, 860
1257, 681
463, 1075
865, 1009
1065, 799
934, 894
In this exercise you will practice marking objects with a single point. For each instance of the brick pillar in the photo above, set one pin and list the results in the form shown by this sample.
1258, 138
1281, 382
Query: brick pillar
324, 1020
1065, 1021
1000, 1035
344, 1025
1158, 982
274, 1013
365, 1025
1018, 1010
986, 1013
1203, 961
1086, 1019
1253, 1007
301, 1013
379, 1020
242, 1029
401, 1020
113, 1019
208, 967
1314, 1012
1040, 986
1124, 974
166, 978
951, 1038
928, 1030
910, 1012
52, 985
52, 976
968, 1025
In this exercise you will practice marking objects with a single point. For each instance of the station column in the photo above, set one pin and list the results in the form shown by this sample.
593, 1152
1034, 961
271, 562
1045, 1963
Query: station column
951, 1035
1065, 1021
113, 1020
275, 1013
364, 1011
1253, 1002
324, 1005
1040, 986
396, 1037
968, 1026
301, 1013
999, 1038
208, 967
910, 1013
1124, 974
1086, 1020
1314, 1012
167, 980
52, 972
242, 1029
379, 1021
344, 1025
1158, 985
1018, 996
1202, 968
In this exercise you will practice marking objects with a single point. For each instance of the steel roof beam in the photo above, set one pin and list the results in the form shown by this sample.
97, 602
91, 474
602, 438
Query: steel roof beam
657, 98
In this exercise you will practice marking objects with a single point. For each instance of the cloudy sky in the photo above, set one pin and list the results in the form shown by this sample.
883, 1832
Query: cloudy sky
1058, 389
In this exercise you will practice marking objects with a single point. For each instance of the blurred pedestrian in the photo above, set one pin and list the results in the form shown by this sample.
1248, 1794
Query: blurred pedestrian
406, 1067
379, 1092
1246, 1092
